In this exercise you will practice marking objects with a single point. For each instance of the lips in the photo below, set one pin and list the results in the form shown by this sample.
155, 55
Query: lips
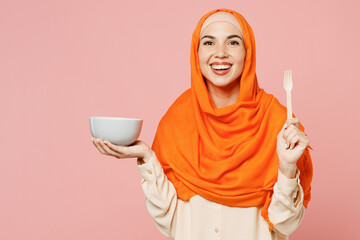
220, 68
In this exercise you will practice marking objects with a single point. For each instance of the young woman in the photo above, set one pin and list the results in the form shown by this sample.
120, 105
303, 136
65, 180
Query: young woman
225, 163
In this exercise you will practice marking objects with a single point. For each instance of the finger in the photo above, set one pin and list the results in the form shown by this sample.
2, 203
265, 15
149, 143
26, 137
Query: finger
127, 151
307, 141
281, 133
108, 150
288, 130
293, 121
294, 141
289, 137
304, 140
98, 146
115, 148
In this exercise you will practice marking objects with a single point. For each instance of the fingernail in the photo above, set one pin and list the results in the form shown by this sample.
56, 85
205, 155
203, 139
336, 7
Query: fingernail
92, 139
97, 140
105, 142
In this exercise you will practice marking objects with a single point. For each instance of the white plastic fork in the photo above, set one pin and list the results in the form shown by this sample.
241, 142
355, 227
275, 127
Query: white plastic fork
288, 85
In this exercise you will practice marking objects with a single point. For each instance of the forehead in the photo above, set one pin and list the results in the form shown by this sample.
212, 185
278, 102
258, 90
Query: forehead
220, 17
220, 28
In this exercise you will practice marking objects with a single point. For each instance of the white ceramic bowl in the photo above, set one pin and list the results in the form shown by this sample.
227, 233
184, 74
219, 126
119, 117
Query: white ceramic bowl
119, 131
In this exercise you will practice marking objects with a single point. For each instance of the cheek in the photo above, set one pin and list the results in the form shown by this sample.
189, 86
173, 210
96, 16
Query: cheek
239, 64
203, 56
240, 58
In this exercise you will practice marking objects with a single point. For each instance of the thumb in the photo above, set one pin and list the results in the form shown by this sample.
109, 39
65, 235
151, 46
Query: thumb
283, 128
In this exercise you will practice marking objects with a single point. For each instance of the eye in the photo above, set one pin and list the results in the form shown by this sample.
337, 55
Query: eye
208, 43
234, 43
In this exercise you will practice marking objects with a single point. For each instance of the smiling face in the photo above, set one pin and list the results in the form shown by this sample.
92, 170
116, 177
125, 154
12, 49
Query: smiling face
221, 54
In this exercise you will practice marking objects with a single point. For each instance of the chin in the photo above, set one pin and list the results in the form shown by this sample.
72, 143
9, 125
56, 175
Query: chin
222, 84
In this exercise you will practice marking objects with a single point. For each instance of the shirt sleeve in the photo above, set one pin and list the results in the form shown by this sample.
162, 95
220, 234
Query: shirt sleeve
286, 209
160, 196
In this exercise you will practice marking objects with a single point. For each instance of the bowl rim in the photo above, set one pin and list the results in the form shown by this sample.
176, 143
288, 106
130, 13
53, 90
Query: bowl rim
116, 118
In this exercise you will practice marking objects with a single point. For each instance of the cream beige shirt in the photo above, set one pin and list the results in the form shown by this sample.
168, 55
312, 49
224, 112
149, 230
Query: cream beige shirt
201, 219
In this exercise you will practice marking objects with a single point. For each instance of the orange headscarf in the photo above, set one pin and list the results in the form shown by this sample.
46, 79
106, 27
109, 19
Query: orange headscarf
227, 155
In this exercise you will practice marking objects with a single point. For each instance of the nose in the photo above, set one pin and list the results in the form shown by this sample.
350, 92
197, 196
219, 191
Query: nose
220, 51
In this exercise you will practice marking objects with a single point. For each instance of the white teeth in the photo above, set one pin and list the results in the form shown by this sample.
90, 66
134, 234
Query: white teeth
217, 67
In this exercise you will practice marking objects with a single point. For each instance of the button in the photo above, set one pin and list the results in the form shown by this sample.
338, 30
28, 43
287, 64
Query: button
149, 171
216, 229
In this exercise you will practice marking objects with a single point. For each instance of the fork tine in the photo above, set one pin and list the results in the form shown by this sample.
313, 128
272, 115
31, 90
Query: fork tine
289, 75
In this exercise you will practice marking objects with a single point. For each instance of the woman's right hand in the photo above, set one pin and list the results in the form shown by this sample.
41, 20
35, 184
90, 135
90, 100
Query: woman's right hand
138, 149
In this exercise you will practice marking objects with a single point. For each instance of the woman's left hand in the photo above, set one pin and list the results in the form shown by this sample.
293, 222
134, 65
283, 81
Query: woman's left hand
291, 143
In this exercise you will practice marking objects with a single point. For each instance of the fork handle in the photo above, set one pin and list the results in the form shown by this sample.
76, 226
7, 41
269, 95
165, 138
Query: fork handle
288, 103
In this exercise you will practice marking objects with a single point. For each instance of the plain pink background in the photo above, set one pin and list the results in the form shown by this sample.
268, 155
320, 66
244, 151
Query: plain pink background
64, 61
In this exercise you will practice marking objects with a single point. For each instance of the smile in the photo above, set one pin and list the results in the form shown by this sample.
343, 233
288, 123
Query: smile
220, 69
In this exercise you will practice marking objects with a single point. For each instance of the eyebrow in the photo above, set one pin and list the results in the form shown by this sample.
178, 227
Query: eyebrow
228, 37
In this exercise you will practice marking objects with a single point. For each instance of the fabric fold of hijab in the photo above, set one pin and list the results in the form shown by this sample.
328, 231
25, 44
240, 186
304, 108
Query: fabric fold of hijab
227, 155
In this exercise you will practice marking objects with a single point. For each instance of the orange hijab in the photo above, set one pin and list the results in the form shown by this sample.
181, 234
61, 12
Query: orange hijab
226, 155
